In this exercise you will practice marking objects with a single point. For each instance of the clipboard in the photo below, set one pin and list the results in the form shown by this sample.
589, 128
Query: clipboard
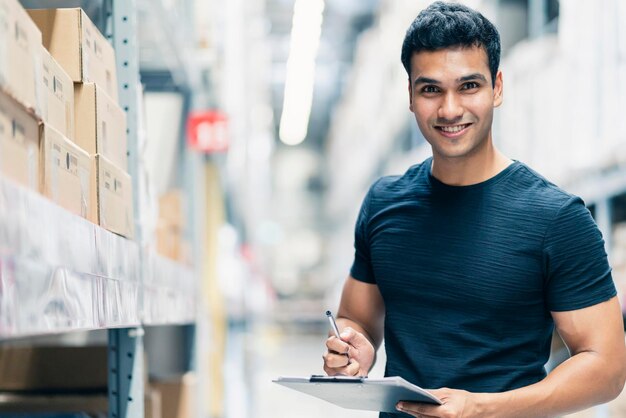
363, 393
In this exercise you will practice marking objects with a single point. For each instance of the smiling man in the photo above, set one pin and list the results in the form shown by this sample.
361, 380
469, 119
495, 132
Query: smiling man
467, 262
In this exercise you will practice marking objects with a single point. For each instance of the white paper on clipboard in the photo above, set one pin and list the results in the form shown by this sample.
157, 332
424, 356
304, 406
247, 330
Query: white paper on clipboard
360, 393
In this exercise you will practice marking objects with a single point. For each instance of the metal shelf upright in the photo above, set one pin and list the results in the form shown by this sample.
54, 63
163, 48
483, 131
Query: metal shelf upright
126, 344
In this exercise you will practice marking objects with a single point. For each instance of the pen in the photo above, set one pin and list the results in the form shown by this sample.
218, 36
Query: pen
333, 324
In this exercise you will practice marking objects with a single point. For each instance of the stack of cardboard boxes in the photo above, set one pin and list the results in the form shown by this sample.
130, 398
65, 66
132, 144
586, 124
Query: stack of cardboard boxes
62, 131
170, 238
100, 124
20, 95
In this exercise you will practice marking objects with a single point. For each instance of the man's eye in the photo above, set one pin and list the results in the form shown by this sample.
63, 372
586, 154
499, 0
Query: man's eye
430, 89
470, 85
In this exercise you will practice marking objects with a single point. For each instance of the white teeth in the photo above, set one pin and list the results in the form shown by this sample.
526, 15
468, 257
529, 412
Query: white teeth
453, 129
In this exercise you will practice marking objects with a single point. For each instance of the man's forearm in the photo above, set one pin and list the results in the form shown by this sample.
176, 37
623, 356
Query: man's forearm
584, 380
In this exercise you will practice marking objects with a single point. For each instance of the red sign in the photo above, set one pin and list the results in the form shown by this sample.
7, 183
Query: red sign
207, 131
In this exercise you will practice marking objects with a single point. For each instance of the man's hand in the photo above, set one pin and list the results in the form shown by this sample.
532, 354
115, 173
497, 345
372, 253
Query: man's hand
352, 355
456, 404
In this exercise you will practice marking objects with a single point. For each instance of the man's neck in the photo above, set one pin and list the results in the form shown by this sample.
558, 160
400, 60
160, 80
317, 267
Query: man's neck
469, 170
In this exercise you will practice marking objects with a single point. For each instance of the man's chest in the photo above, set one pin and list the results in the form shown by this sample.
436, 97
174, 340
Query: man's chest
448, 259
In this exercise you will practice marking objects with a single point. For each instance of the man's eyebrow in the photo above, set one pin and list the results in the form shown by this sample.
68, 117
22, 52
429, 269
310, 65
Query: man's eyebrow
425, 80
475, 76
470, 77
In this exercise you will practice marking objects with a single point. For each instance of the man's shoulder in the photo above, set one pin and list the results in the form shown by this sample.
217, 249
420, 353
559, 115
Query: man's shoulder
399, 184
537, 189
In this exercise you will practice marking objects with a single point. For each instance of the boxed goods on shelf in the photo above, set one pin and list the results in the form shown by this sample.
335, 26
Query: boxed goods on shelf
112, 198
76, 43
19, 143
170, 242
177, 395
170, 238
100, 124
66, 172
171, 208
53, 369
152, 403
20, 56
54, 406
58, 97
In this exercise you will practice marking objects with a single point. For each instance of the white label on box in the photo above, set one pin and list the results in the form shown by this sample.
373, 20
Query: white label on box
21, 37
19, 133
72, 164
57, 88
97, 49
55, 167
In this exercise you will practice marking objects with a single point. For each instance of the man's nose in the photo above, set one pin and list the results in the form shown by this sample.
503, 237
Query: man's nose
451, 108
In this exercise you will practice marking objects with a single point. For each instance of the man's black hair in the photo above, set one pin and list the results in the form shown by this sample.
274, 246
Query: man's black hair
448, 25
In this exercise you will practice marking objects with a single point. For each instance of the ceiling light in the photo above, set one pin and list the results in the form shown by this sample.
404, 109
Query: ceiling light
298, 97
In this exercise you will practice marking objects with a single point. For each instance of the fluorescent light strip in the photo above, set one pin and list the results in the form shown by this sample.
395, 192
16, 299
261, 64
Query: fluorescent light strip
305, 38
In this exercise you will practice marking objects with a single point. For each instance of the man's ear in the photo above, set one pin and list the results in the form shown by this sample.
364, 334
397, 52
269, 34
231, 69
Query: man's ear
498, 90
410, 97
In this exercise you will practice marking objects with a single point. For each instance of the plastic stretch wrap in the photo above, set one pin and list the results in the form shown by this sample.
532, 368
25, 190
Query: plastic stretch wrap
169, 292
59, 272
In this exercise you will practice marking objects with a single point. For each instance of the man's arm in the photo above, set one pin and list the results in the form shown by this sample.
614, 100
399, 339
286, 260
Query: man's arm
362, 308
594, 374
360, 319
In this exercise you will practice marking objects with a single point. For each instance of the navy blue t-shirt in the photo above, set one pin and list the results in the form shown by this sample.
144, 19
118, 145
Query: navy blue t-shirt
470, 274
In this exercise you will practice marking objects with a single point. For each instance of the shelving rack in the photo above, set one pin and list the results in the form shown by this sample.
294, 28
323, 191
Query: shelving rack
60, 273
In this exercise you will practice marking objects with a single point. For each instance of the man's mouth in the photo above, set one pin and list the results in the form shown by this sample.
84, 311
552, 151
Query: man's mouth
452, 130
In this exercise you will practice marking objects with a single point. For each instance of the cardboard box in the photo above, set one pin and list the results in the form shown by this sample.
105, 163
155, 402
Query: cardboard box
61, 406
19, 143
152, 403
20, 56
76, 43
177, 396
100, 124
53, 369
58, 103
66, 172
169, 241
171, 208
112, 198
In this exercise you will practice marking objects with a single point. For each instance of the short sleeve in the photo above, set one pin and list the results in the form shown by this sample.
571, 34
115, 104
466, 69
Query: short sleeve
577, 270
362, 266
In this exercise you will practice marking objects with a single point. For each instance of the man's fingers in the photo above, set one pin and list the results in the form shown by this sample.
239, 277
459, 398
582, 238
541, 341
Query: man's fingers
336, 360
350, 370
335, 344
354, 338
418, 409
